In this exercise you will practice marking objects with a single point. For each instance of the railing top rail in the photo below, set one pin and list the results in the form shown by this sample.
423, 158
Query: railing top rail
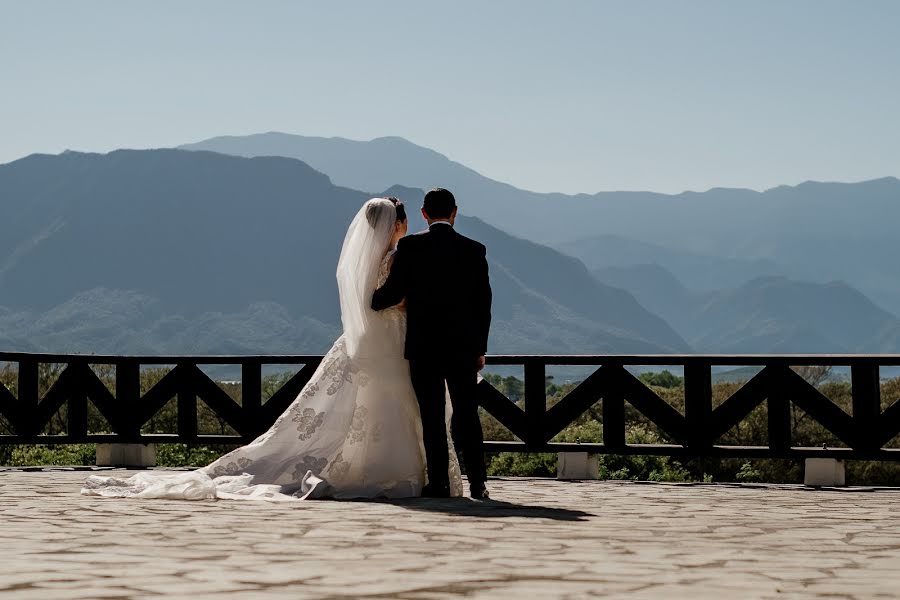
268, 359
496, 359
701, 359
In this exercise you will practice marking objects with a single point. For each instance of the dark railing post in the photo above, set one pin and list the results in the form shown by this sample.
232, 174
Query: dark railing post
251, 397
187, 402
535, 401
866, 393
128, 396
614, 411
698, 402
778, 409
28, 397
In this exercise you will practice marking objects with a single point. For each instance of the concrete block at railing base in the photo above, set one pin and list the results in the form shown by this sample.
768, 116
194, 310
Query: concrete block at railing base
126, 455
827, 472
577, 465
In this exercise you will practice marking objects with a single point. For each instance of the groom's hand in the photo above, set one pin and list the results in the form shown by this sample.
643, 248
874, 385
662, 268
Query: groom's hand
480, 362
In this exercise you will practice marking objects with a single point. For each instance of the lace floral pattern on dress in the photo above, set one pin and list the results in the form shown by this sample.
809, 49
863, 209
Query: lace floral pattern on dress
385, 269
308, 420
377, 432
235, 467
309, 463
394, 313
358, 426
339, 467
337, 369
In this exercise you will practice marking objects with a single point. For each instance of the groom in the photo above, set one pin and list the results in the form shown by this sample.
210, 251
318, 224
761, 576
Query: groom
443, 276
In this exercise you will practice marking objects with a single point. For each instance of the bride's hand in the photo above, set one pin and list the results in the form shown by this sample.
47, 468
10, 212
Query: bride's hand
402, 305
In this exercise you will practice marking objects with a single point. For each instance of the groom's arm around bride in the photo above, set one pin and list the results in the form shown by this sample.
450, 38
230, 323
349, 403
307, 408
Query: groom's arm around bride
443, 276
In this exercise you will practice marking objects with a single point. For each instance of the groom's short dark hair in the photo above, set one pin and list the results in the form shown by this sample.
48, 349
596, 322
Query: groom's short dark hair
439, 203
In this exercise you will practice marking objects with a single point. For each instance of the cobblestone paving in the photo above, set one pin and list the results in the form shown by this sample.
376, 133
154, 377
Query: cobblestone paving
538, 538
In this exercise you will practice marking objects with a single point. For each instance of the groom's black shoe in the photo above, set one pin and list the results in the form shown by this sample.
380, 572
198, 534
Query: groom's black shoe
430, 491
478, 491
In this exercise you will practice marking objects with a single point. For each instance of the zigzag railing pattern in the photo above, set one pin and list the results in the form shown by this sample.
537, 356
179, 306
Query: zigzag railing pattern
127, 410
694, 432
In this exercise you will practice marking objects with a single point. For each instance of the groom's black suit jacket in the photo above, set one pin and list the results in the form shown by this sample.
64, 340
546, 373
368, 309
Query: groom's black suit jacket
444, 278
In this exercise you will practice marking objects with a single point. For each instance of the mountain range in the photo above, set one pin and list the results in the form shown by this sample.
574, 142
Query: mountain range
176, 251
771, 314
230, 245
815, 231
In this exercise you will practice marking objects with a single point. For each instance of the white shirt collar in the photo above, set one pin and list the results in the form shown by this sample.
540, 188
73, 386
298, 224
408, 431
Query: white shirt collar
433, 223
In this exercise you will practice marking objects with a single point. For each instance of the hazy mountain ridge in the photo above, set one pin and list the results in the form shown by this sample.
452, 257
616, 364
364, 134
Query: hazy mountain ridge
694, 270
175, 251
818, 231
398, 161
545, 301
814, 314
348, 162
764, 315
102, 320
553, 287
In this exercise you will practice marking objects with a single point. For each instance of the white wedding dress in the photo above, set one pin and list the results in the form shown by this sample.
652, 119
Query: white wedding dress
353, 432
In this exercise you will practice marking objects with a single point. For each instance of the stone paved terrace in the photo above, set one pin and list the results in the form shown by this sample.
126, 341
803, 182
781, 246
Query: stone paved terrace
539, 538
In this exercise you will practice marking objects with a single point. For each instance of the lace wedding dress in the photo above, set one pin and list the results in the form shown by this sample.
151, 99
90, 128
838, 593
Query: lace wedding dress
353, 432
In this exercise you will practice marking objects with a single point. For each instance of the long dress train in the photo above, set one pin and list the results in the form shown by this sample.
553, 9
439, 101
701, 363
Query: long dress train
353, 432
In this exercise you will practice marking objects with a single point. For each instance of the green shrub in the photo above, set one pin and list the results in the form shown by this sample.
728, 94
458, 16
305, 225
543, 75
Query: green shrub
520, 464
664, 379
49, 455
748, 474
183, 455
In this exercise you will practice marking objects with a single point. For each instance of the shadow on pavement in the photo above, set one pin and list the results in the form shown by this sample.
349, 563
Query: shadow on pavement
488, 509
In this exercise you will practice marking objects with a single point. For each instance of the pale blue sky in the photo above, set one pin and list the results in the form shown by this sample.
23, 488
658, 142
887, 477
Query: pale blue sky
551, 96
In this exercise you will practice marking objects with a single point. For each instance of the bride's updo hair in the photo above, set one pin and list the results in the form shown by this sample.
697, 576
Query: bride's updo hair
378, 209
401, 210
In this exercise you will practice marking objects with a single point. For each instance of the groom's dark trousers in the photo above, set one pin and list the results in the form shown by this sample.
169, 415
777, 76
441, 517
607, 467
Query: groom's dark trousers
443, 277
428, 379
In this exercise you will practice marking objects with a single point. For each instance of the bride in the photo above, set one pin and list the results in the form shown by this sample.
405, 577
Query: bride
354, 431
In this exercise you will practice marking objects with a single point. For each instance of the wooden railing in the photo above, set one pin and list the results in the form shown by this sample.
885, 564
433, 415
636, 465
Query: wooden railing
863, 433
696, 431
